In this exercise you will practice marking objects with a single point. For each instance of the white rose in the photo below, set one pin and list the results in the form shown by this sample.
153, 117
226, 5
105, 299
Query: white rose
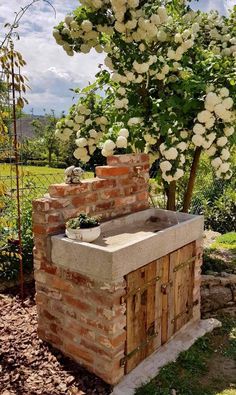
184, 134
210, 88
106, 153
134, 121
171, 153
225, 154
198, 140
224, 167
222, 141
69, 123
91, 141
211, 151
162, 147
165, 69
92, 149
81, 142
178, 38
162, 36
228, 103
167, 178
149, 139
216, 163
156, 19
211, 136
228, 175
162, 12
224, 92
165, 166
228, 131
182, 159
120, 27
103, 120
171, 53
121, 142
121, 91
209, 124
213, 99
160, 76
182, 146
86, 25
80, 153
220, 110
199, 129
133, 3
204, 116
85, 48
68, 132
79, 118
209, 106
108, 63
93, 133
109, 145
124, 132
178, 174
206, 144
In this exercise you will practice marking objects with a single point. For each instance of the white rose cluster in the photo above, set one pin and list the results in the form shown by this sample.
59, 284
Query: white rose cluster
121, 141
86, 126
218, 113
173, 157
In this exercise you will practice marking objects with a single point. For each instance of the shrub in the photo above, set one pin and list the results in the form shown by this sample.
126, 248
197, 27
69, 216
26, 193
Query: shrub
215, 199
9, 259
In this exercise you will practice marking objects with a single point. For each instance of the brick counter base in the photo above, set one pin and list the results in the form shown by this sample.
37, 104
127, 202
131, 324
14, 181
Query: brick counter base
83, 317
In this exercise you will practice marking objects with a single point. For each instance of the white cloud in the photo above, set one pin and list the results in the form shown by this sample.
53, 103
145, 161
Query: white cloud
220, 5
50, 71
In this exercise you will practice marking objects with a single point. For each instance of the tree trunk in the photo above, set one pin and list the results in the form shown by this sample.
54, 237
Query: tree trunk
171, 196
49, 157
193, 173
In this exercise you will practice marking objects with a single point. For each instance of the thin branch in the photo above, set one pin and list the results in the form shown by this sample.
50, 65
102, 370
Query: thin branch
19, 15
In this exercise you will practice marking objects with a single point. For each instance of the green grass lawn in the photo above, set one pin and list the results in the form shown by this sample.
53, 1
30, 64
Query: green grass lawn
33, 176
226, 241
207, 368
7, 169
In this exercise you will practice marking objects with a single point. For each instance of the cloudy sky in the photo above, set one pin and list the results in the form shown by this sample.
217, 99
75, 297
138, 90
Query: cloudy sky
50, 71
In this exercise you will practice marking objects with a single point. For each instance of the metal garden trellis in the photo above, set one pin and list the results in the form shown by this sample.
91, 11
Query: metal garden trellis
12, 148
9, 77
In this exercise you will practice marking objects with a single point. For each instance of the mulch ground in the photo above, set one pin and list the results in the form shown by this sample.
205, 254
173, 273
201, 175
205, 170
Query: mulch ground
29, 366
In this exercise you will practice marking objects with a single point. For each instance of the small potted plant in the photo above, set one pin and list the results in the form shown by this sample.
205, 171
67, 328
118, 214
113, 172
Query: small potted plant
83, 228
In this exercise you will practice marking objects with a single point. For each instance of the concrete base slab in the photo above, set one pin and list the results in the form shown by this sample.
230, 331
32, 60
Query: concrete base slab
150, 367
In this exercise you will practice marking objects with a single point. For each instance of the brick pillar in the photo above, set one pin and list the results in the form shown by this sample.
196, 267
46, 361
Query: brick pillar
82, 316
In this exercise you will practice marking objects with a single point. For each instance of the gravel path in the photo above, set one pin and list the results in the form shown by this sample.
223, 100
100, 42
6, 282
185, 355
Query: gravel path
28, 366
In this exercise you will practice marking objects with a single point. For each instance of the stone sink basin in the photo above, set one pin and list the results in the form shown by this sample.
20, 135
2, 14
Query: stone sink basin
128, 243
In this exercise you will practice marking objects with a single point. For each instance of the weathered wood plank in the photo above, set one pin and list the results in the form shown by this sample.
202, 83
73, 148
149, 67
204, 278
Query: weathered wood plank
183, 285
140, 314
165, 313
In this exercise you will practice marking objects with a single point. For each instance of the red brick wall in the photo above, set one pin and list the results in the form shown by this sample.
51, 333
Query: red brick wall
83, 317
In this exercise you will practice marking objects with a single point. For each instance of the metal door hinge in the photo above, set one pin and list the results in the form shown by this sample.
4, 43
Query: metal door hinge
124, 360
139, 289
181, 265
188, 309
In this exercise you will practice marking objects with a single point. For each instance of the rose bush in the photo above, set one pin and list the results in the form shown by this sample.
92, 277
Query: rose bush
168, 86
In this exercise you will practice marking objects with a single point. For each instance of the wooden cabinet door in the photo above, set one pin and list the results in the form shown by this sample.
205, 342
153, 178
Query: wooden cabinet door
143, 314
182, 263
159, 302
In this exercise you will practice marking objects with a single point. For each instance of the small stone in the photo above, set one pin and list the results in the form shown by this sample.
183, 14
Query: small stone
211, 273
224, 274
